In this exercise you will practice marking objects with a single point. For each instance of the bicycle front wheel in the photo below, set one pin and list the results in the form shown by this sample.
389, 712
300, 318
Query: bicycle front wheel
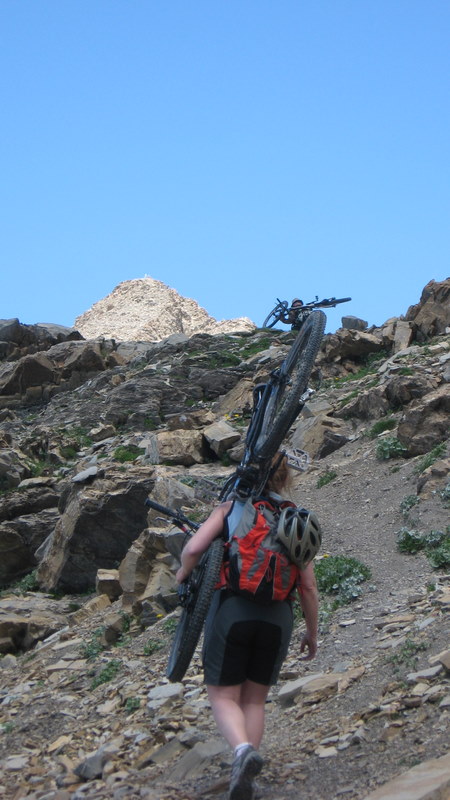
334, 301
275, 314
190, 625
284, 404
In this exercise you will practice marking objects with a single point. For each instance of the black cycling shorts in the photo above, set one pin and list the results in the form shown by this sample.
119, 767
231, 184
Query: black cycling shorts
245, 640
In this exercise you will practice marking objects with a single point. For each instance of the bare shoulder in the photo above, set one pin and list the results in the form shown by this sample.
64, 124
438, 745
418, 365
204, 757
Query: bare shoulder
222, 510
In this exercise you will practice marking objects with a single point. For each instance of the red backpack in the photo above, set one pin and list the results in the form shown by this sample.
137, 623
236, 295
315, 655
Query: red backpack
255, 563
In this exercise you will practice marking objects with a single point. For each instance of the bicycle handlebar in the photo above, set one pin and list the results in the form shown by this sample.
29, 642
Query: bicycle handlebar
177, 517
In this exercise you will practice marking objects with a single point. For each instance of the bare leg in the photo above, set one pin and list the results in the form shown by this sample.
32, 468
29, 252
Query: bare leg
253, 701
239, 711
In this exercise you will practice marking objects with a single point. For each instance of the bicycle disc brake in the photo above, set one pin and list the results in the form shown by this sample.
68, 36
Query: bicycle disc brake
186, 593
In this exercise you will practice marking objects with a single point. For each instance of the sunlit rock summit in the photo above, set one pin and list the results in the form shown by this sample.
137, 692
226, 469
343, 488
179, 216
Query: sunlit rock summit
145, 309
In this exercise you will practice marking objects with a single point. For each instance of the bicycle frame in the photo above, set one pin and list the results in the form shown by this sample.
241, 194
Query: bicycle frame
252, 473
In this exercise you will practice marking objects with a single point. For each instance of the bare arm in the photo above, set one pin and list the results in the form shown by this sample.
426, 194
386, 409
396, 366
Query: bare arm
200, 541
309, 600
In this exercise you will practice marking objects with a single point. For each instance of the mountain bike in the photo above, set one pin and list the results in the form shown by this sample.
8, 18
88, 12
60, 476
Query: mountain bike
276, 405
296, 315
194, 595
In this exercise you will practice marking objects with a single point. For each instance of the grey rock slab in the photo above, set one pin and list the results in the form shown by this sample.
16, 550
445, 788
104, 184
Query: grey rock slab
92, 766
292, 688
427, 781
424, 674
192, 762
161, 695
160, 755
87, 474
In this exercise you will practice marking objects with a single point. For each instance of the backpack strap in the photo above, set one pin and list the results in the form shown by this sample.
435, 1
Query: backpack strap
232, 518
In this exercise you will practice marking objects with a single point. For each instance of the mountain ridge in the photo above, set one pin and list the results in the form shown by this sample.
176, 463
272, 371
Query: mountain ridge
148, 309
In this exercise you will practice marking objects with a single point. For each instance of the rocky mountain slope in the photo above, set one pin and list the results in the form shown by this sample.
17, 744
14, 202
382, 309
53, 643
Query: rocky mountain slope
89, 428
147, 309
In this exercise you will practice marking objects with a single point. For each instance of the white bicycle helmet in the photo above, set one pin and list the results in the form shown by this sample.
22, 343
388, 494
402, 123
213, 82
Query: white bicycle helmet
300, 532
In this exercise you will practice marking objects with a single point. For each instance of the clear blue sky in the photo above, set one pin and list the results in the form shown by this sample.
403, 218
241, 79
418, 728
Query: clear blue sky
237, 150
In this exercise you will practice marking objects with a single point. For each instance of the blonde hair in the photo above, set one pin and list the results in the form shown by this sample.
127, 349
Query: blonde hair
281, 478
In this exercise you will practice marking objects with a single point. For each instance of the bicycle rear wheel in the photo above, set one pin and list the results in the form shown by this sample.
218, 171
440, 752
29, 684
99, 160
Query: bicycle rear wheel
284, 404
203, 581
275, 314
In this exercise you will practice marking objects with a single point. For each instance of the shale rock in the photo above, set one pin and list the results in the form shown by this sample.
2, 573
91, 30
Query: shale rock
18, 340
97, 526
20, 541
431, 315
426, 425
185, 447
74, 720
434, 479
220, 437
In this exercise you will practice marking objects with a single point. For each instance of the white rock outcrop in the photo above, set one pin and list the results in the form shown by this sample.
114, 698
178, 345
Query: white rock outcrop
145, 309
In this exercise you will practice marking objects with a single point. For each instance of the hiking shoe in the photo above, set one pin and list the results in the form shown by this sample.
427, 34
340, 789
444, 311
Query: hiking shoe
256, 790
245, 767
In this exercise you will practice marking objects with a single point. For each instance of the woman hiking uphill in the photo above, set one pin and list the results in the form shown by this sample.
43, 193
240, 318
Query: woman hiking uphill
245, 641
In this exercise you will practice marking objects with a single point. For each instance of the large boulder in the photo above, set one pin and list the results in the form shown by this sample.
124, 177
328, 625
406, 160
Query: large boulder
344, 351
99, 522
146, 573
346, 343
78, 360
26, 620
20, 538
39, 495
18, 634
431, 315
319, 435
426, 424
142, 400
352, 323
434, 479
220, 437
18, 340
214, 382
368, 404
403, 335
239, 400
395, 392
36, 378
403, 389
26, 379
177, 447
188, 420
14, 467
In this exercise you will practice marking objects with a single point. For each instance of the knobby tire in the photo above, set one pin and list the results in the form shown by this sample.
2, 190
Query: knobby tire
284, 406
191, 621
335, 301
274, 315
